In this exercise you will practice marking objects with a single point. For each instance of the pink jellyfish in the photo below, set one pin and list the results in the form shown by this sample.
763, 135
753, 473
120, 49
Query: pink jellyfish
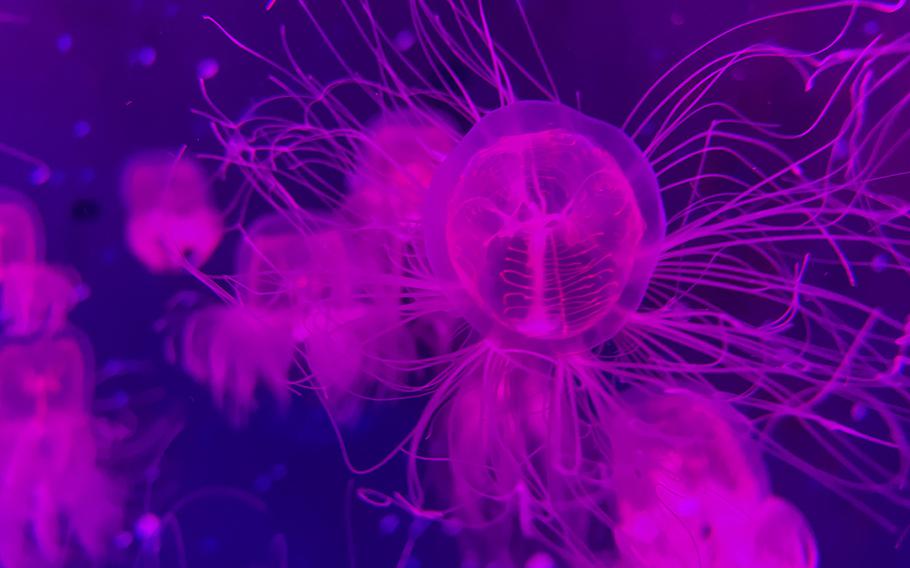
51, 482
172, 220
391, 176
36, 297
21, 231
503, 463
708, 244
691, 491
231, 349
322, 282
294, 291
549, 222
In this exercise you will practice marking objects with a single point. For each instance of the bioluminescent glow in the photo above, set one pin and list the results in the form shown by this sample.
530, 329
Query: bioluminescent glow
172, 219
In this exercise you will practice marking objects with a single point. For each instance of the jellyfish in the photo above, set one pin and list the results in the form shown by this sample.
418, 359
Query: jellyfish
707, 243
56, 503
295, 294
392, 175
171, 218
691, 491
232, 349
21, 231
549, 222
507, 470
35, 297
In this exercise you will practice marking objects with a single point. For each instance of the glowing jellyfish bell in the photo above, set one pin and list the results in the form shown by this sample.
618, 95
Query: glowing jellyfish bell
171, 217
37, 298
21, 231
295, 285
42, 377
548, 222
232, 350
319, 279
34, 297
691, 491
394, 170
298, 270
54, 498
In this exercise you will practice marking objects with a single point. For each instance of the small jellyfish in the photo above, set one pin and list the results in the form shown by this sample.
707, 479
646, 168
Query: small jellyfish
34, 297
283, 268
232, 349
42, 376
392, 174
37, 298
495, 419
321, 281
21, 231
171, 218
56, 504
691, 492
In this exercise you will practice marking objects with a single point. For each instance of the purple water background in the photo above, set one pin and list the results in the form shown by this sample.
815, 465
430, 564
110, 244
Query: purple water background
85, 84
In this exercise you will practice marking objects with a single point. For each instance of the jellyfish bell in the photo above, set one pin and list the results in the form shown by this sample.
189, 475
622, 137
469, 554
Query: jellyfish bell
49, 375
54, 497
691, 491
689, 439
547, 222
234, 349
394, 171
301, 271
165, 241
171, 216
36, 298
322, 279
21, 231
780, 538
507, 460
159, 180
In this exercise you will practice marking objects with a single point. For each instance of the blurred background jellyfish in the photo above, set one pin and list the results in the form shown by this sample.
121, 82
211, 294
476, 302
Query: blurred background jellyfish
299, 288
56, 504
709, 244
35, 297
232, 349
691, 490
172, 221
22, 236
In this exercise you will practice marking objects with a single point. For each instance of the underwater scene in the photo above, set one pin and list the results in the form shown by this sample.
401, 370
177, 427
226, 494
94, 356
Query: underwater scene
454, 283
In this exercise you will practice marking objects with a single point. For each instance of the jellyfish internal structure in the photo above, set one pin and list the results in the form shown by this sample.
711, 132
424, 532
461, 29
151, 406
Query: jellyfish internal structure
550, 221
